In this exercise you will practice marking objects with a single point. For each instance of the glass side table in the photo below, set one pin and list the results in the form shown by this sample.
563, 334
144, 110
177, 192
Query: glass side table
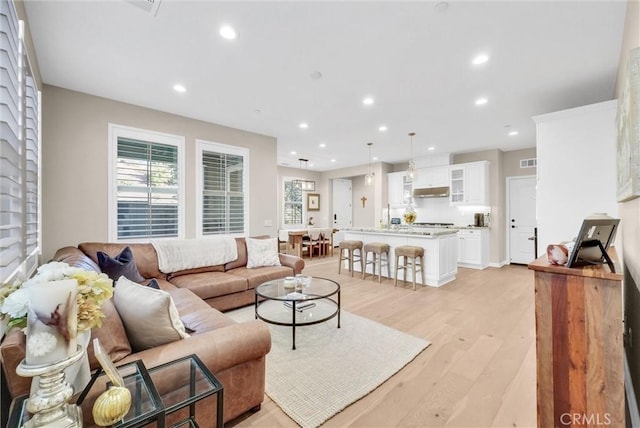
155, 393
146, 405
182, 383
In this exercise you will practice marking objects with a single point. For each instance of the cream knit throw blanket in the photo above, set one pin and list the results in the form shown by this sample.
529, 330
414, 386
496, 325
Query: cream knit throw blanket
180, 254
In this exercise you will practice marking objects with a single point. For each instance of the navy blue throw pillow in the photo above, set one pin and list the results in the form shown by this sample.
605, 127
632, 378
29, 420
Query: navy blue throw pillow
120, 265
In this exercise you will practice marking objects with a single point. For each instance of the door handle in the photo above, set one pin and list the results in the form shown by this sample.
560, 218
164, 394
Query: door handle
513, 226
531, 238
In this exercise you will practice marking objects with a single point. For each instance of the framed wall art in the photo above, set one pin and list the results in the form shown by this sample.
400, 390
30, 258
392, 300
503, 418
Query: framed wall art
628, 124
313, 202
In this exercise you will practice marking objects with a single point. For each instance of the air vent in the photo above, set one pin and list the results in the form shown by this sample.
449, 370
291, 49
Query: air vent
150, 6
528, 163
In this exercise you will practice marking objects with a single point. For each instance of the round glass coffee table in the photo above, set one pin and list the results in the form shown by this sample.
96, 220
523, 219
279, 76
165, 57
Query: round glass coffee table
313, 303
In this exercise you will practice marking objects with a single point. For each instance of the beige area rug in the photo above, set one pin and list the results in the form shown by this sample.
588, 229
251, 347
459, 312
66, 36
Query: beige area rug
331, 368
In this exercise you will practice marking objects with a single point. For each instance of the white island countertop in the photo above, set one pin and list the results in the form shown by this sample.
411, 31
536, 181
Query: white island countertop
419, 231
440, 249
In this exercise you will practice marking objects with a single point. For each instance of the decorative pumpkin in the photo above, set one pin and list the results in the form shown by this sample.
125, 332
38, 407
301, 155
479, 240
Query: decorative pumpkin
111, 406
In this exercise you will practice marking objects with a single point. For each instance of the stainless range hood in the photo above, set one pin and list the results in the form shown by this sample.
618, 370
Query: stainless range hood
431, 192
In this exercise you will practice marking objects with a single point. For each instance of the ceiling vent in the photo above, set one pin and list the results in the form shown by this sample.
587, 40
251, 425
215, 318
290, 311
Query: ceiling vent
528, 163
150, 6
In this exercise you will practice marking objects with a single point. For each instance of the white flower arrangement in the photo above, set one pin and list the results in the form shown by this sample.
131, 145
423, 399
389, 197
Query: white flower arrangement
93, 289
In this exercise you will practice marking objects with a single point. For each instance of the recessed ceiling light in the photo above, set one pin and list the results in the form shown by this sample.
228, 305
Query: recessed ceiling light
315, 75
304, 125
227, 32
481, 101
368, 101
512, 133
382, 128
293, 152
375, 158
431, 149
310, 164
179, 88
322, 145
333, 160
480, 59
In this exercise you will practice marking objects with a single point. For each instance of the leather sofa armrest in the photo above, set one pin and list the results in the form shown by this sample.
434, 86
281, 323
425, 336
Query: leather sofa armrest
294, 262
12, 352
219, 349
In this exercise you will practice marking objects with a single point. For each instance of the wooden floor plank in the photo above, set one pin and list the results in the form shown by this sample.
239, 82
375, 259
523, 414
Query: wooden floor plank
481, 361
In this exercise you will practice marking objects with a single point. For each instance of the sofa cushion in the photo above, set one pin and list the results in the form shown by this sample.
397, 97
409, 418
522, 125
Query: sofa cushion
154, 323
112, 336
144, 255
211, 284
121, 264
256, 277
216, 268
262, 252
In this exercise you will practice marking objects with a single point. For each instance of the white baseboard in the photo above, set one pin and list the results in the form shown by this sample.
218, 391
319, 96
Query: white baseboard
498, 265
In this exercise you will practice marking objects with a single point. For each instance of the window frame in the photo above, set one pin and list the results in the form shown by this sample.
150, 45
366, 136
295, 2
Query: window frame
303, 223
210, 146
154, 137
28, 256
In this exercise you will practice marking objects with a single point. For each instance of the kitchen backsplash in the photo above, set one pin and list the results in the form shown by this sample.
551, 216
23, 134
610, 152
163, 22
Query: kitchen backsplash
437, 210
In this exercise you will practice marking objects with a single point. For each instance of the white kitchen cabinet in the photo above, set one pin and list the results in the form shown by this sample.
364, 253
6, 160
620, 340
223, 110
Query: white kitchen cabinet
473, 248
399, 189
435, 176
469, 183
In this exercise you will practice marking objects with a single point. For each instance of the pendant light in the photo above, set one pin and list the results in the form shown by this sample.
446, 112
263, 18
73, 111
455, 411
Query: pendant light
412, 173
370, 177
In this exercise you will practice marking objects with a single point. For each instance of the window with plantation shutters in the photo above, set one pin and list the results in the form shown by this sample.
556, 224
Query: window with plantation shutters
223, 198
19, 152
292, 202
147, 184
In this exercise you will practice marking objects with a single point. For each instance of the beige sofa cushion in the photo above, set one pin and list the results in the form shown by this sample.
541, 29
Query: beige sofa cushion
154, 323
255, 277
211, 284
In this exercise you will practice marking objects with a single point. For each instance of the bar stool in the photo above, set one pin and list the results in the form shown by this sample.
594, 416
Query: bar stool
350, 247
377, 249
411, 254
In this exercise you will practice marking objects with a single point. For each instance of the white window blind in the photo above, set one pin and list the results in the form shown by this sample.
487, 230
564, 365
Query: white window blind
147, 185
292, 202
223, 202
147, 189
19, 152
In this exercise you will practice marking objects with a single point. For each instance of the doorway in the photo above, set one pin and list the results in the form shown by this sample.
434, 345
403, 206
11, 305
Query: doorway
342, 209
521, 219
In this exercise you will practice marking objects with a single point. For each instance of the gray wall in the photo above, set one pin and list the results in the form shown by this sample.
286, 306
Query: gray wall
75, 166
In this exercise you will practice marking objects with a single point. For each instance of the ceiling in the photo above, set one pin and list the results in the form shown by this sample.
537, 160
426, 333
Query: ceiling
413, 58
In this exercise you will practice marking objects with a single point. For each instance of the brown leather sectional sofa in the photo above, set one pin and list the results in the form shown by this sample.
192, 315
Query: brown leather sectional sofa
234, 352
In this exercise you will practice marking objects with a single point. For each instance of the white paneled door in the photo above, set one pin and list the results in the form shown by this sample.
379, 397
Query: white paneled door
521, 219
342, 198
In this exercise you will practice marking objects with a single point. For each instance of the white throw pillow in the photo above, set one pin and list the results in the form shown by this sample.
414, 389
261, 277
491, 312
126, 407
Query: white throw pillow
150, 316
262, 252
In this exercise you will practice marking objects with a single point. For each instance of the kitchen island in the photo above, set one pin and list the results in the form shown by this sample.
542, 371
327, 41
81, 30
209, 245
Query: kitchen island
440, 250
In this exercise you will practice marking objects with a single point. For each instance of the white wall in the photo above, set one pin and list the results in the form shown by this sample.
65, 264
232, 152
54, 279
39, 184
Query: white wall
576, 152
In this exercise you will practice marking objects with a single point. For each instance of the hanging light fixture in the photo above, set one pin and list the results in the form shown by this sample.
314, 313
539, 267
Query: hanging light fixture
412, 173
370, 177
305, 185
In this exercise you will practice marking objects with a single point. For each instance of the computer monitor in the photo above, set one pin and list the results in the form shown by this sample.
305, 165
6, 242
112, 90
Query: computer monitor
595, 237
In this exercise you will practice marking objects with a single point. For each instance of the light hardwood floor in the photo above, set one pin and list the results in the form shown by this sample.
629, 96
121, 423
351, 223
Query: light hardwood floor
479, 370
